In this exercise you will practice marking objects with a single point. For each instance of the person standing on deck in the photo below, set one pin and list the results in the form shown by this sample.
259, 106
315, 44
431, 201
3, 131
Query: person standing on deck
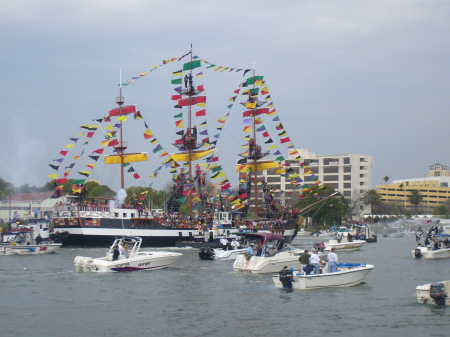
332, 261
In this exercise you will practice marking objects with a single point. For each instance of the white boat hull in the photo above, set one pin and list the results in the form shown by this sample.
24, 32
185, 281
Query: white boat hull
396, 235
220, 254
345, 277
344, 246
432, 254
29, 249
268, 264
143, 261
422, 294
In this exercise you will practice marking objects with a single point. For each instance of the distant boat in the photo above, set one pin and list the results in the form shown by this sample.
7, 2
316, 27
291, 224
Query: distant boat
30, 239
433, 293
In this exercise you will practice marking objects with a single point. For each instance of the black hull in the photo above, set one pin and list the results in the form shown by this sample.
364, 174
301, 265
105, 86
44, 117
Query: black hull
107, 240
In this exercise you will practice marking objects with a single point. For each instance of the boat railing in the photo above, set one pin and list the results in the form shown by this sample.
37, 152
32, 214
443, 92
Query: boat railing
60, 208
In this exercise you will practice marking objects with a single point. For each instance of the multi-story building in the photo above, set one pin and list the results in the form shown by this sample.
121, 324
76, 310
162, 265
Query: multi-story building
438, 170
348, 173
434, 190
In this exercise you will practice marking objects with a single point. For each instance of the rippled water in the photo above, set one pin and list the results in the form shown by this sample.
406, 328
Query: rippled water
43, 296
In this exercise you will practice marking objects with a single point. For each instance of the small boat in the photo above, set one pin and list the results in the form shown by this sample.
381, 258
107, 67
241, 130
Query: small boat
397, 235
274, 254
303, 233
218, 254
31, 239
344, 242
440, 248
348, 274
137, 260
433, 293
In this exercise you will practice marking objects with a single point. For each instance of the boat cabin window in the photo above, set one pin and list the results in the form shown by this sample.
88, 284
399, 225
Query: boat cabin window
132, 215
124, 215
116, 215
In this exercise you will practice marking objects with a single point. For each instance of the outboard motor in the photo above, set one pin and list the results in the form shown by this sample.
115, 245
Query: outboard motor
206, 253
437, 293
417, 253
286, 277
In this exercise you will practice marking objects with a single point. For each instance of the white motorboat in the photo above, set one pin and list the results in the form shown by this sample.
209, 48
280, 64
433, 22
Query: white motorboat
136, 260
344, 242
219, 254
433, 293
397, 235
31, 239
348, 274
439, 249
273, 256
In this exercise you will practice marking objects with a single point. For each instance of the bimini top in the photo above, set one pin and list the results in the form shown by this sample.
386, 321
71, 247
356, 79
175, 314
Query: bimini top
265, 236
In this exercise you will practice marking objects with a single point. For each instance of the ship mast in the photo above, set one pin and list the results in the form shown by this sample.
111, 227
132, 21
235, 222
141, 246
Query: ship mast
122, 146
189, 143
254, 150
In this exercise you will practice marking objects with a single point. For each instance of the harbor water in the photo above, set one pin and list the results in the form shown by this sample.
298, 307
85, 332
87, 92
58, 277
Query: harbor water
42, 295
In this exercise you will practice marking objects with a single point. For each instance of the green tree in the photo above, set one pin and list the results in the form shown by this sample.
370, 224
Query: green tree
386, 179
6, 189
373, 199
415, 198
333, 210
441, 210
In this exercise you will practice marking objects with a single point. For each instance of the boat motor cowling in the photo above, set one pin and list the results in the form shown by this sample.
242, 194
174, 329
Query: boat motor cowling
437, 293
417, 253
286, 277
206, 253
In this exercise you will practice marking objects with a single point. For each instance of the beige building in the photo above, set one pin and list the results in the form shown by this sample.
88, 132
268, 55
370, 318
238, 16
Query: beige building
434, 190
438, 170
27, 205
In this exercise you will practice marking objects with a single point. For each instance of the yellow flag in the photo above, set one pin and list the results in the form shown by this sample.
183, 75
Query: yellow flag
53, 176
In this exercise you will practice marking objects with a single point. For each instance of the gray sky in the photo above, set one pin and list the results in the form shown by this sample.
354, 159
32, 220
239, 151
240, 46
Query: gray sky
368, 77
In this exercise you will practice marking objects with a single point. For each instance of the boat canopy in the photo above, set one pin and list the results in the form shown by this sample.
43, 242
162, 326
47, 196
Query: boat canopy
265, 236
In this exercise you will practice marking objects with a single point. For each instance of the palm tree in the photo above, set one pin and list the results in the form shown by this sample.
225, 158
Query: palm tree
386, 179
373, 199
415, 198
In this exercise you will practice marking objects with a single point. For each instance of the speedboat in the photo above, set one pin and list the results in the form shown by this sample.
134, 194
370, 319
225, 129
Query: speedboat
136, 260
440, 248
218, 254
348, 274
344, 242
31, 239
433, 293
274, 254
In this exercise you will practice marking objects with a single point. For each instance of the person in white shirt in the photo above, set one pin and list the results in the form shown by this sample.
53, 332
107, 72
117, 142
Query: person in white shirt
224, 243
314, 259
235, 244
332, 261
121, 249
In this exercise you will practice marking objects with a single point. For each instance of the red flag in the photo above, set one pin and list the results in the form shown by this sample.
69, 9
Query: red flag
176, 97
285, 140
201, 113
226, 186
113, 142
136, 176
200, 88
99, 151
64, 153
125, 110
61, 181
265, 134
90, 134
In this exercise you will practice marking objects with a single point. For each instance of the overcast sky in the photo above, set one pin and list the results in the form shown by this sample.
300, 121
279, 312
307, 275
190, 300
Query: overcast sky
368, 77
